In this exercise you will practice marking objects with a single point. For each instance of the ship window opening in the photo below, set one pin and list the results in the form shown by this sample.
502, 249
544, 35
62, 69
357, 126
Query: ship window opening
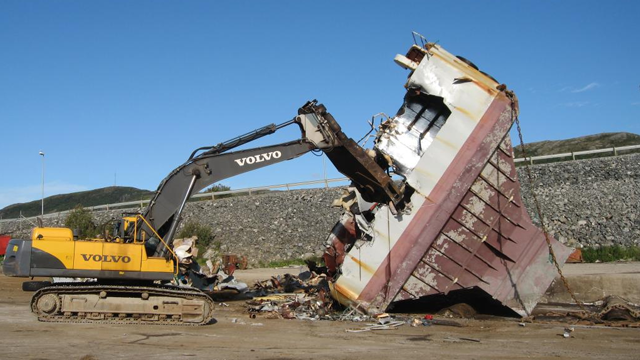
423, 113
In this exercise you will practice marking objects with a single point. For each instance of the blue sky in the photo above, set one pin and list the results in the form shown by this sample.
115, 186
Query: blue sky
132, 87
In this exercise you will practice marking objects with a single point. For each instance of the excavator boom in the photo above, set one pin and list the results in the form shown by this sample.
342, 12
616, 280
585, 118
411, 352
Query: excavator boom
126, 266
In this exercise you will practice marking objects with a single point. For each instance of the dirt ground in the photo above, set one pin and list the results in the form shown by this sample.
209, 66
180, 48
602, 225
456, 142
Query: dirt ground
23, 337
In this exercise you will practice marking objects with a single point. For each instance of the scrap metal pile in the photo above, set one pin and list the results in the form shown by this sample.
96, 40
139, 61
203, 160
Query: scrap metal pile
307, 297
303, 297
610, 311
212, 277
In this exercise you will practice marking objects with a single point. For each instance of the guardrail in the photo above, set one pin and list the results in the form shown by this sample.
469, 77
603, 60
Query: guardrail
212, 195
573, 155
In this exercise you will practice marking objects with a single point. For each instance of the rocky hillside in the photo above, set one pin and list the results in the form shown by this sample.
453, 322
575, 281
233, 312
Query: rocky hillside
589, 202
270, 227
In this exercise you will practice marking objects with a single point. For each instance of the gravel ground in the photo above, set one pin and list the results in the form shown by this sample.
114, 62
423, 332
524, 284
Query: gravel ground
235, 336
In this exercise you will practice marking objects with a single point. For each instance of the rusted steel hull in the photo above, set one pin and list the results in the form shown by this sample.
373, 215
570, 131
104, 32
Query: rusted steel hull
464, 224
486, 240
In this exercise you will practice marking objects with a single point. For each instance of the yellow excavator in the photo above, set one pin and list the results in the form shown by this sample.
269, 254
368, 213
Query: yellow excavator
134, 264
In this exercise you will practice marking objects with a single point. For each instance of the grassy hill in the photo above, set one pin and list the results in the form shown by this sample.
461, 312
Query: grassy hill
108, 195
590, 142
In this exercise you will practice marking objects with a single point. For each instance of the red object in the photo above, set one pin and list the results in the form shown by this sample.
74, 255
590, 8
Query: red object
230, 263
428, 317
4, 241
575, 257
342, 235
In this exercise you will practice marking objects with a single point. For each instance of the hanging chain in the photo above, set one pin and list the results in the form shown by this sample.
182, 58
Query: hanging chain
514, 117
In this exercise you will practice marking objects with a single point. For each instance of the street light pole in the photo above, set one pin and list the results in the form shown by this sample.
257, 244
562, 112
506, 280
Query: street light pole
42, 154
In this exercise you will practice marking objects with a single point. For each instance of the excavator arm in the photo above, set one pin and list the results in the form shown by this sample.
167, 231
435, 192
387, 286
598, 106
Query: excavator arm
126, 266
208, 165
202, 171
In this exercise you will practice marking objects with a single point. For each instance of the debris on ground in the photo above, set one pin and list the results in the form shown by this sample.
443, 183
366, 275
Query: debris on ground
567, 332
292, 306
352, 314
615, 308
302, 297
610, 311
428, 320
460, 310
389, 326
458, 339
209, 278
307, 297
305, 282
383, 318
231, 263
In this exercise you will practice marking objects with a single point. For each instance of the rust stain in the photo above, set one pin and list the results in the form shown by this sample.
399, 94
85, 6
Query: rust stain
489, 89
467, 113
363, 265
416, 54
426, 173
447, 143
473, 73
347, 293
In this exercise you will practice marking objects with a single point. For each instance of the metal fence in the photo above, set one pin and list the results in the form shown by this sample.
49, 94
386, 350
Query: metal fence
142, 203
572, 155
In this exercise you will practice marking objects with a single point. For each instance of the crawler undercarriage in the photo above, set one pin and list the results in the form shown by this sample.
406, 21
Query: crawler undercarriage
122, 304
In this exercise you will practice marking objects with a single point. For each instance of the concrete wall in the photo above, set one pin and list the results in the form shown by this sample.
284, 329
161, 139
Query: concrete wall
589, 202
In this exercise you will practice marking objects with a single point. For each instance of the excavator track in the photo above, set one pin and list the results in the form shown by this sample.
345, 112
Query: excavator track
122, 304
